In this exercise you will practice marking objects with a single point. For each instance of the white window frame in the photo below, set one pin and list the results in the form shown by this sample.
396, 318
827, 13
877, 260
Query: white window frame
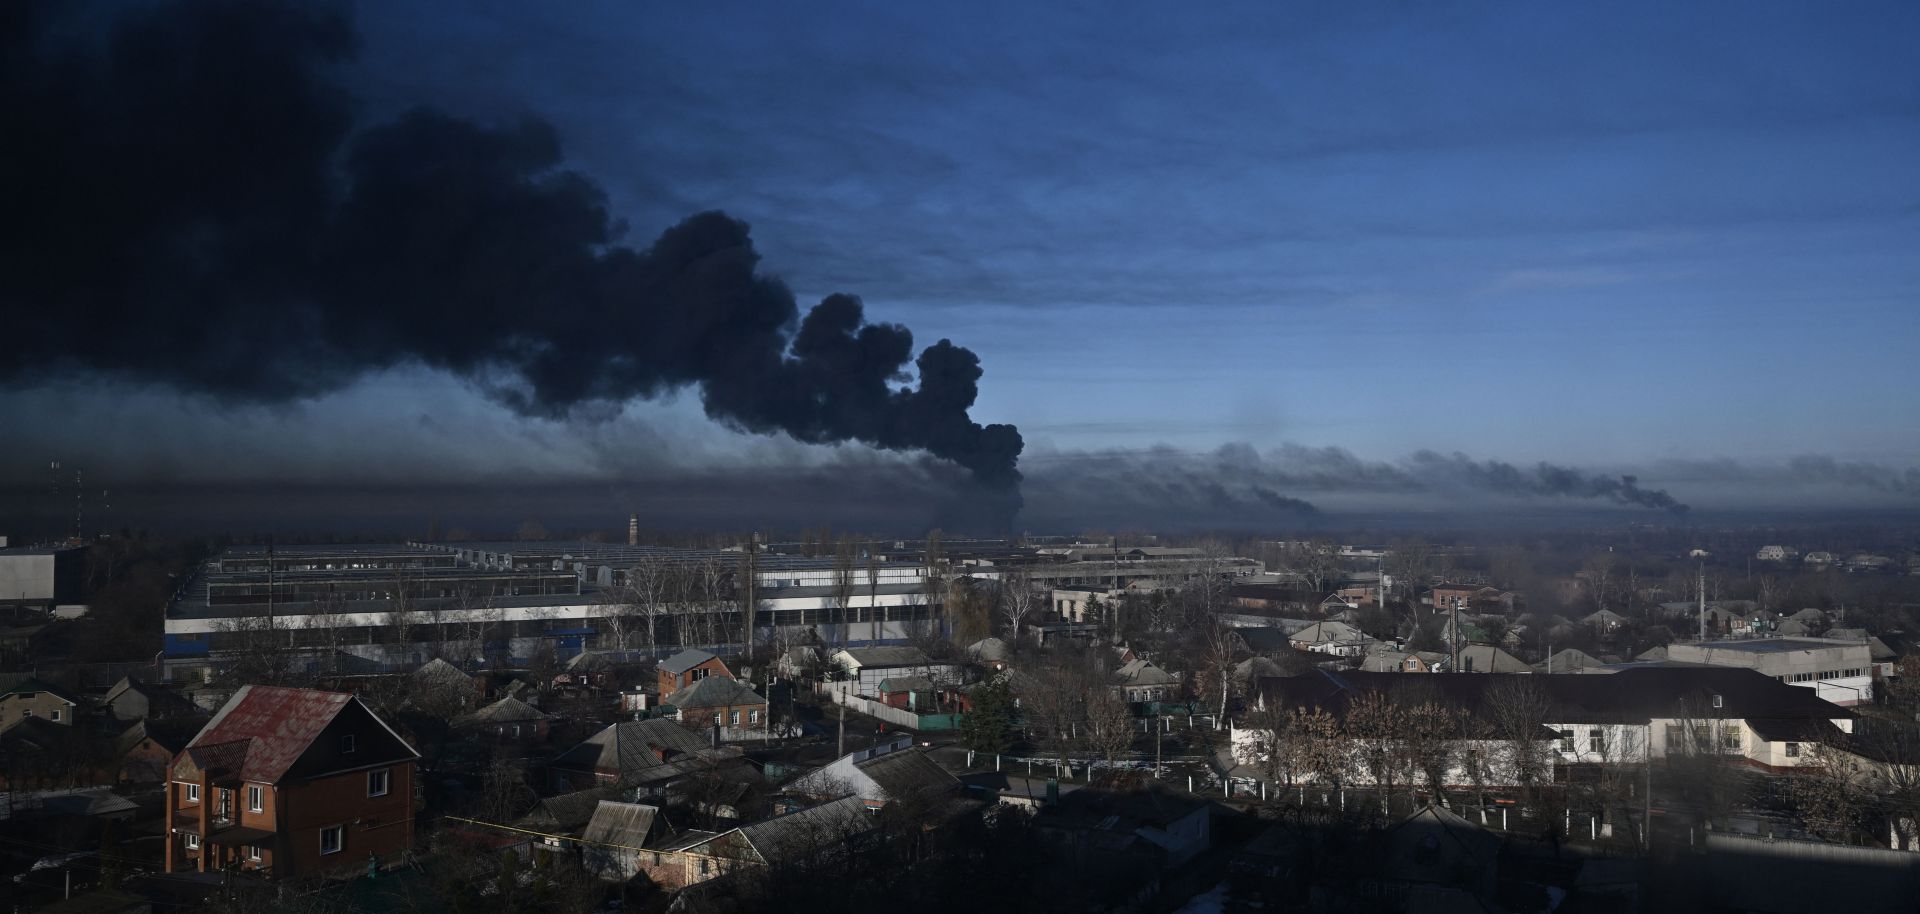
253, 852
54, 715
339, 842
193, 793
733, 718
1793, 750
193, 842
256, 798
386, 781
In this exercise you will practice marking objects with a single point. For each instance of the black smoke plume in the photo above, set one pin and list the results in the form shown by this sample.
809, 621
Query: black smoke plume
189, 202
1166, 476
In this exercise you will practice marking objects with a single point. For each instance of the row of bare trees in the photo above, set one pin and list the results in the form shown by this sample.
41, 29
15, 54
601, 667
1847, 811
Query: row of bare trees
1410, 739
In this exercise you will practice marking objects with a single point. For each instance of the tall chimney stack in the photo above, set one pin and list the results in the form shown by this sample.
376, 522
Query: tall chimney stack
633, 529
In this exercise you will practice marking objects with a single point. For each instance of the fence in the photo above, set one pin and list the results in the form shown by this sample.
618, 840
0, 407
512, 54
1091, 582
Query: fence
888, 713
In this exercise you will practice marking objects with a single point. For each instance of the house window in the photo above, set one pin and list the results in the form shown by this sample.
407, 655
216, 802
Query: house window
716, 718
1718, 701
753, 717
193, 793
256, 798
1596, 741
1793, 750
1730, 738
331, 839
733, 719
253, 852
56, 715
378, 781
1566, 741
26, 712
193, 842
346, 744
516, 731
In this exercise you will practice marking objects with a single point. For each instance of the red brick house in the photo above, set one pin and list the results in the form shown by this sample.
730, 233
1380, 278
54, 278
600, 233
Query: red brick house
688, 667
290, 782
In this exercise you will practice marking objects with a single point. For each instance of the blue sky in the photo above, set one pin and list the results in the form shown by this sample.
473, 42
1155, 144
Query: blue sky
1609, 236
1603, 234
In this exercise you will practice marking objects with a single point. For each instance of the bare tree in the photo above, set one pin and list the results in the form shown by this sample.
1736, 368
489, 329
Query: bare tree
650, 583
1110, 726
1377, 725
876, 616
1518, 708
1016, 601
1599, 570
843, 584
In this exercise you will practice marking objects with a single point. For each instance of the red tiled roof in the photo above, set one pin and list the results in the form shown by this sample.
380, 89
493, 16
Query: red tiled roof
275, 724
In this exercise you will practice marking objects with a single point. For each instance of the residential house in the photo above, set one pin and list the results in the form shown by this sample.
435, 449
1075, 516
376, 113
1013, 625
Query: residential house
36, 752
1330, 637
1141, 680
1171, 827
1818, 558
908, 693
34, 698
1624, 717
443, 687
1776, 554
291, 782
1407, 662
1485, 658
642, 753
147, 747
890, 772
131, 699
1604, 622
815, 836
688, 667
616, 838
990, 652
1569, 660
508, 720
562, 817
1433, 860
719, 701
867, 667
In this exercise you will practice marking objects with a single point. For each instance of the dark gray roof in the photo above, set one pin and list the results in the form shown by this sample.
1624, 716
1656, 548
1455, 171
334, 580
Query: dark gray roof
1632, 695
569, 812
895, 655
505, 711
907, 774
799, 835
714, 692
621, 824
686, 660
630, 746
906, 684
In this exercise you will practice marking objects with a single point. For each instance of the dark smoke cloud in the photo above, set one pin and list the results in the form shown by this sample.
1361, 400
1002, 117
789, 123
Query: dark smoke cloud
191, 204
1167, 474
1801, 472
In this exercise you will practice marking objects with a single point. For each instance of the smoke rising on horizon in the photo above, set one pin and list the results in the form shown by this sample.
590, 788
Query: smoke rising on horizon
192, 205
1239, 474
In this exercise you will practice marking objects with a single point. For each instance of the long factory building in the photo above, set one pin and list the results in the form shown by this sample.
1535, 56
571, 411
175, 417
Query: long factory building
393, 606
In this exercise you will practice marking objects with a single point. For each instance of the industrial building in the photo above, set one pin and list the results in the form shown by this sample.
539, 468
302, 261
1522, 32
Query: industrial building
373, 607
1838, 671
42, 579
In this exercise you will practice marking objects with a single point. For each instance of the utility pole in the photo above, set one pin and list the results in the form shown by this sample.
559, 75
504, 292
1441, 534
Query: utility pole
841, 747
750, 599
1456, 634
1701, 554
